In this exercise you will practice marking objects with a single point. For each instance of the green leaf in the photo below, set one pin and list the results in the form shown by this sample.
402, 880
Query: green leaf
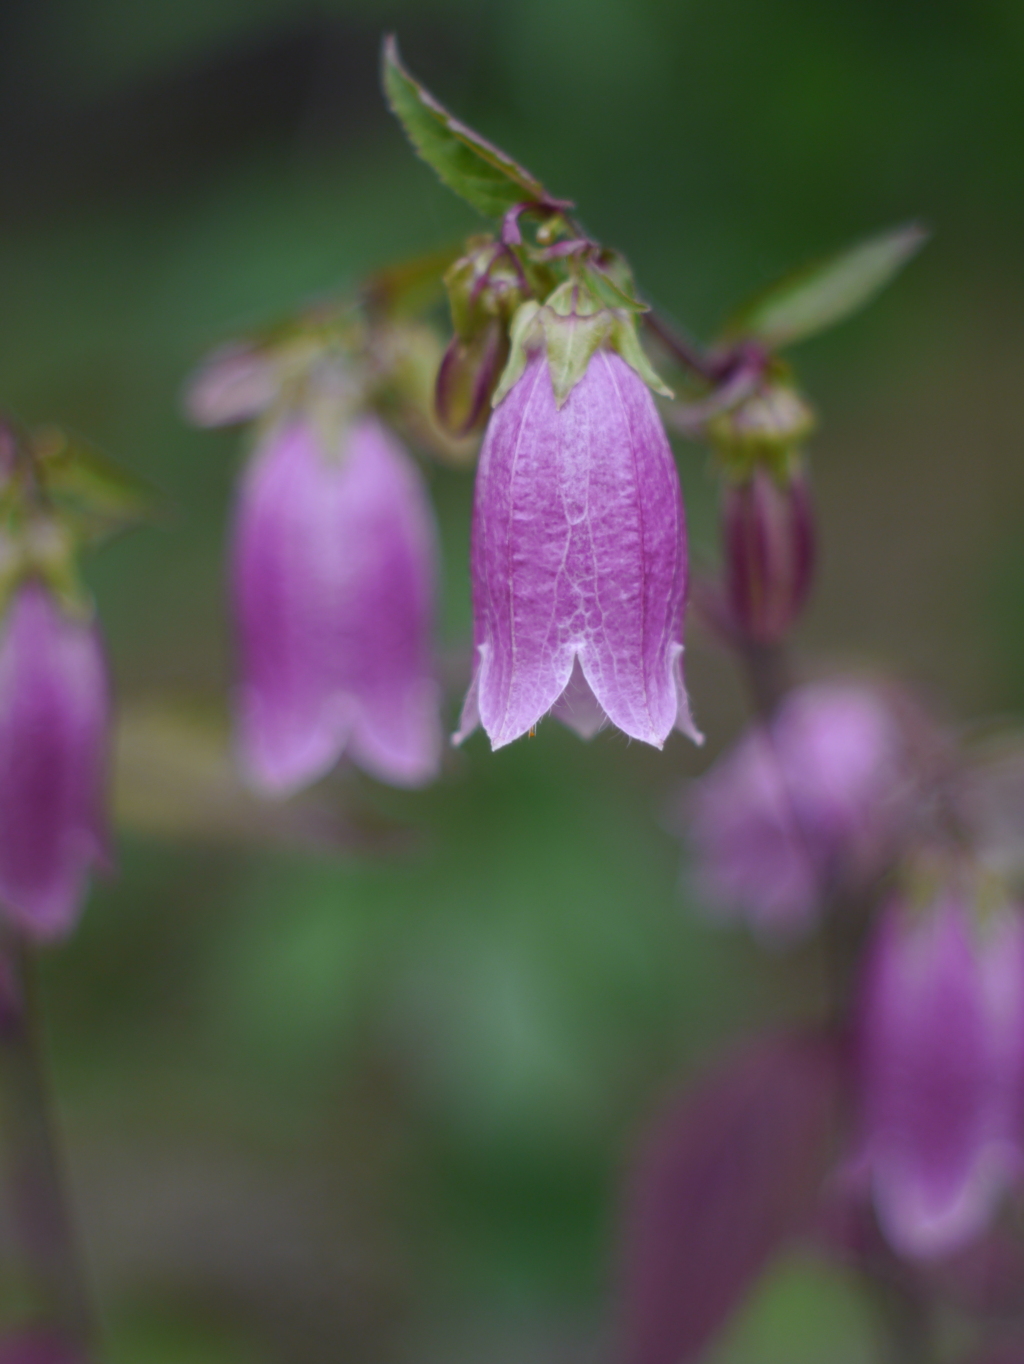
93, 495
481, 173
825, 292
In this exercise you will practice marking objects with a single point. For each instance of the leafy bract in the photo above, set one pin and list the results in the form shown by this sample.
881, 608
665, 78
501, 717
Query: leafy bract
92, 495
825, 292
481, 173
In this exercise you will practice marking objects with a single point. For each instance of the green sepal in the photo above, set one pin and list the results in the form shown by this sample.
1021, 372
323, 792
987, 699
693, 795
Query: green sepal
625, 340
766, 428
816, 296
525, 335
612, 280
89, 493
474, 168
573, 325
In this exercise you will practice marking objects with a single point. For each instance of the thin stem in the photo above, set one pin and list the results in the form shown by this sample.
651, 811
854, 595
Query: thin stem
768, 674
685, 351
34, 1173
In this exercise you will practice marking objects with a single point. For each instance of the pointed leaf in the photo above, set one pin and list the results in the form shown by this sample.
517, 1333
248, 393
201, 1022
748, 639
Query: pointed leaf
481, 173
723, 1179
818, 295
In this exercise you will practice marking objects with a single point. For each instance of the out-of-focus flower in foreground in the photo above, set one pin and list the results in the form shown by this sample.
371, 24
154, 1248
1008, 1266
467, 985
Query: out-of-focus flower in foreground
333, 568
579, 543
38, 1347
940, 1066
54, 739
802, 807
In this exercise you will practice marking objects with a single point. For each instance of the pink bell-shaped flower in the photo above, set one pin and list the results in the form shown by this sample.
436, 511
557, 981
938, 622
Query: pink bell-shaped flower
54, 741
334, 565
801, 807
940, 1061
578, 561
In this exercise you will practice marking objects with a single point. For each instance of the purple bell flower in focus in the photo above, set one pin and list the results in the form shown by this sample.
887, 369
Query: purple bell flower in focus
333, 561
578, 556
54, 740
941, 1060
801, 807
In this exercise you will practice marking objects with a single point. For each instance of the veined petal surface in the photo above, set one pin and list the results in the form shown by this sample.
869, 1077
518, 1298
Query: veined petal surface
579, 553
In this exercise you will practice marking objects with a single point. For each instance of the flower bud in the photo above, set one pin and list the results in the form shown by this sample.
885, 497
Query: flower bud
940, 1065
768, 536
805, 806
333, 584
54, 738
467, 378
578, 553
485, 287
767, 426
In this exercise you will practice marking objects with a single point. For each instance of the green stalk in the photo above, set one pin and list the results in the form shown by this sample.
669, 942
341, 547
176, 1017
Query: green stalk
32, 1164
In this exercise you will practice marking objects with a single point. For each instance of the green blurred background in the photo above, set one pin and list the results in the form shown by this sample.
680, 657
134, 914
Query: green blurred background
375, 1107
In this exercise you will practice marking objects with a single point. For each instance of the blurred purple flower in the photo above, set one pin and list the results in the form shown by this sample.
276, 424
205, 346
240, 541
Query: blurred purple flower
940, 1063
38, 1347
579, 561
723, 1179
768, 535
800, 807
333, 573
54, 738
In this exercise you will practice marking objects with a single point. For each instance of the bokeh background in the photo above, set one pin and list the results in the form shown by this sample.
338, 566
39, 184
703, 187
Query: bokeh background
373, 1102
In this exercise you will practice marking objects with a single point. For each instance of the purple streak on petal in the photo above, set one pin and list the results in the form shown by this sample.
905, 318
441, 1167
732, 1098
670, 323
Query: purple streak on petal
334, 566
579, 552
721, 1182
54, 736
941, 1043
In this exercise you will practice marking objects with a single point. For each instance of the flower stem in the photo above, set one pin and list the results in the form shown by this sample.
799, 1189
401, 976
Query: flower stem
686, 352
33, 1167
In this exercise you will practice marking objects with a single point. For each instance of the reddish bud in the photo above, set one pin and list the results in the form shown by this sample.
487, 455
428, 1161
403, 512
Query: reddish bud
467, 378
768, 534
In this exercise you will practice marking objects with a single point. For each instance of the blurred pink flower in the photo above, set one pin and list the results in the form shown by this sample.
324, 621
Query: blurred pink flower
334, 565
54, 740
940, 1064
800, 807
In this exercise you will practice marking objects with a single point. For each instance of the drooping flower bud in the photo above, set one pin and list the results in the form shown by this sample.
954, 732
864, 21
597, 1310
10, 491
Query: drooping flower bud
579, 540
54, 739
768, 541
800, 808
485, 286
941, 1060
333, 583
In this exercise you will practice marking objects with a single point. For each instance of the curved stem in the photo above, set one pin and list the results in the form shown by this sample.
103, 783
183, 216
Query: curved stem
33, 1165
681, 348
